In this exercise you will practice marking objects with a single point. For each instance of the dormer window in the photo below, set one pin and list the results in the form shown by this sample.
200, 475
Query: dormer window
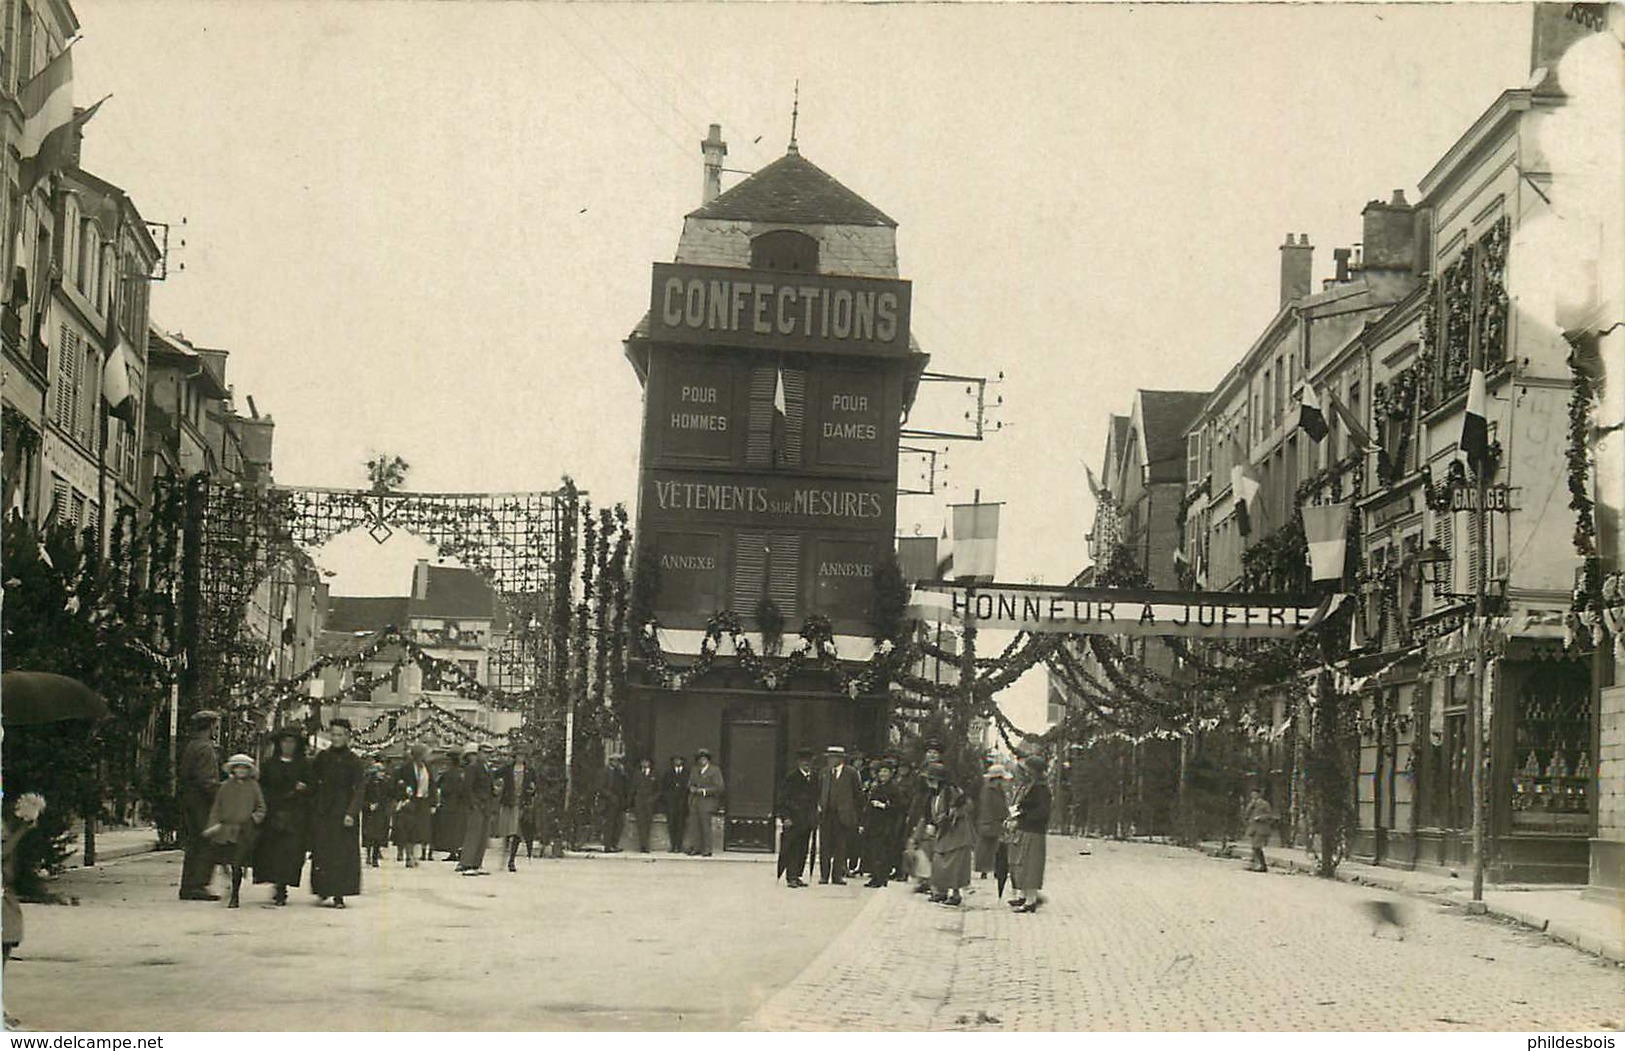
787, 251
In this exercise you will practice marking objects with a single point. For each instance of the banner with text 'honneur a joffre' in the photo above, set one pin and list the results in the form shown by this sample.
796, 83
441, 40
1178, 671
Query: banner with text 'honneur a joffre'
1112, 611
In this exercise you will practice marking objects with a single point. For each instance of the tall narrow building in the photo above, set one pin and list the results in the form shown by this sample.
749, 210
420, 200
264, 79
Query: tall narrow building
777, 366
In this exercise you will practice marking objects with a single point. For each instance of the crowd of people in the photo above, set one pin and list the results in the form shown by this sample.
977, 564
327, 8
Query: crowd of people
880, 817
885, 819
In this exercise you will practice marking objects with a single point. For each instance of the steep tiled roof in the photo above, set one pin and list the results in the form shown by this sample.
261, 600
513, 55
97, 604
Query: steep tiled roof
352, 613
453, 593
1165, 414
793, 190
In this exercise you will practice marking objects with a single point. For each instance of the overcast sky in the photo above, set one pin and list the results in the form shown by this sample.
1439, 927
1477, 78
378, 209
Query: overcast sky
425, 228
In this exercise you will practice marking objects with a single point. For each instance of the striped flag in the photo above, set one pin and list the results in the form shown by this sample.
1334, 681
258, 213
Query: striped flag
917, 557
976, 537
116, 385
1310, 419
1357, 432
1244, 486
1326, 529
47, 103
934, 606
1475, 431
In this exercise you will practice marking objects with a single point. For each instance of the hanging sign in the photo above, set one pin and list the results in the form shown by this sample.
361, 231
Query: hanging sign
1464, 497
1115, 611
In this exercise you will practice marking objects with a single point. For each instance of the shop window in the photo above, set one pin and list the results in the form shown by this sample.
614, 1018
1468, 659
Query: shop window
1552, 761
789, 251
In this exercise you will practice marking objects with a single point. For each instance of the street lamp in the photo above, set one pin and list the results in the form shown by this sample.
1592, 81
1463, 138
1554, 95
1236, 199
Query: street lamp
1433, 567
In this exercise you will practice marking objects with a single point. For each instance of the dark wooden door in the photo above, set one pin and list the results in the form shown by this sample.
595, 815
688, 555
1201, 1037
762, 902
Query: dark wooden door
752, 758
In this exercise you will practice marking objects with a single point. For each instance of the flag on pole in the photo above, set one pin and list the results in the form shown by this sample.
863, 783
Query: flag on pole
60, 148
934, 606
1244, 486
1095, 489
47, 103
116, 385
1475, 431
1357, 432
1326, 529
976, 536
917, 557
1310, 419
781, 417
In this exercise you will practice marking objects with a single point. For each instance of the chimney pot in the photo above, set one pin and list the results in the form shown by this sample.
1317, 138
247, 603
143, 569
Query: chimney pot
713, 149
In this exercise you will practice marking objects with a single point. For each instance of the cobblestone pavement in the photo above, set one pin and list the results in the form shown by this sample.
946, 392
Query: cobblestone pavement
616, 943
1141, 937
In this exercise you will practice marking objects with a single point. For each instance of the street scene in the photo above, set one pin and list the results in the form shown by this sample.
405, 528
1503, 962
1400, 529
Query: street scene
534, 517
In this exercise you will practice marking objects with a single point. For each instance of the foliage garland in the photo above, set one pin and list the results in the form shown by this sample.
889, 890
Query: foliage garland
1581, 401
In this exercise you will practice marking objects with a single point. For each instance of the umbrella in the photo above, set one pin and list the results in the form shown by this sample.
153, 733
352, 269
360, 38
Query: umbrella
29, 698
1001, 866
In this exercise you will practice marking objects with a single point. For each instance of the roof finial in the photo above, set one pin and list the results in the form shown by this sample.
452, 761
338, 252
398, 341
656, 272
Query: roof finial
795, 115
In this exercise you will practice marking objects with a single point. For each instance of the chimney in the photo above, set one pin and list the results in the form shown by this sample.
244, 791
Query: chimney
1297, 268
420, 580
1389, 240
714, 150
1340, 256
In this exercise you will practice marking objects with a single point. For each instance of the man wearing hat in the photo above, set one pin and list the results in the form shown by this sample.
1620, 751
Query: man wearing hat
840, 802
198, 777
674, 798
479, 789
705, 788
335, 820
614, 797
798, 811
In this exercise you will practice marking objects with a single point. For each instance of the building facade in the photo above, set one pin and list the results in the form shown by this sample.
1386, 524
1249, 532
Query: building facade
777, 366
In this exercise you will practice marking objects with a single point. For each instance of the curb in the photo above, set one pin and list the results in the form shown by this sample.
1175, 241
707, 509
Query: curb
111, 854
1572, 936
654, 857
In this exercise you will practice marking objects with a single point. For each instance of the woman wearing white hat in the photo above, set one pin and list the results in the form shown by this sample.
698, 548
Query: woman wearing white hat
234, 819
992, 807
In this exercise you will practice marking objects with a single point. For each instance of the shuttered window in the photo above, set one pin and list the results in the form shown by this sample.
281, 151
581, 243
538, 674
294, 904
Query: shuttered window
69, 359
1477, 553
768, 564
59, 509
767, 444
1444, 529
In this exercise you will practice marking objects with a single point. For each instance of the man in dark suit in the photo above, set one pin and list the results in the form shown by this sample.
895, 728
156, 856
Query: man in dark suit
840, 802
674, 800
798, 810
614, 797
645, 793
198, 775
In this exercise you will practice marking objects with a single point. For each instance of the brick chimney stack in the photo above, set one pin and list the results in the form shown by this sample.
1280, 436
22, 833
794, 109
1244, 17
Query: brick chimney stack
1389, 241
714, 150
1297, 268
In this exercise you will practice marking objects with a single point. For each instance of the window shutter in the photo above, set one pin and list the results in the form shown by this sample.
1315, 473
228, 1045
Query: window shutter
1444, 533
784, 579
59, 508
759, 440
750, 572
1476, 553
795, 412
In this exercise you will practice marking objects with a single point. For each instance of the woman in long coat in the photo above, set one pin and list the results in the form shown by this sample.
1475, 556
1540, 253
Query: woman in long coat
451, 814
285, 778
1030, 823
955, 826
516, 787
335, 830
991, 810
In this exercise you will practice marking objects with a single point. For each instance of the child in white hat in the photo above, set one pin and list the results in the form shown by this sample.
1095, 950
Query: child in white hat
234, 819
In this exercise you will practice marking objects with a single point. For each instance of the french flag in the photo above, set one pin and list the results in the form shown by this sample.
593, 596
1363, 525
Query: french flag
1475, 430
1310, 418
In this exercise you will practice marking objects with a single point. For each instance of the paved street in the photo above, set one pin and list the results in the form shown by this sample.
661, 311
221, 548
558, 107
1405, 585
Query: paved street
1134, 937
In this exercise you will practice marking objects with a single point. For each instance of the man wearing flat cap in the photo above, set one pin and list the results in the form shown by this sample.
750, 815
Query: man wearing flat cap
798, 811
840, 805
198, 777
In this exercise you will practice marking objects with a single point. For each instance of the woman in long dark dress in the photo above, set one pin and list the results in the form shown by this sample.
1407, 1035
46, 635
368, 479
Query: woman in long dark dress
1030, 820
451, 815
335, 831
285, 778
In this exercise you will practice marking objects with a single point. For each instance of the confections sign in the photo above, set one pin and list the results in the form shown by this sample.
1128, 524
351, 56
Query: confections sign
722, 306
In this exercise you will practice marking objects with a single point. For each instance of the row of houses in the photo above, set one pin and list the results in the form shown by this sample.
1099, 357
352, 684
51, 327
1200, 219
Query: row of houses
1208, 489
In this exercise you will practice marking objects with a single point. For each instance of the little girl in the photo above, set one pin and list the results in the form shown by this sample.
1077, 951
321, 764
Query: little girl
234, 820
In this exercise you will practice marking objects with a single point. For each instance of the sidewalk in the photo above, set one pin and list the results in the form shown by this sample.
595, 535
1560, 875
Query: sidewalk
114, 843
1557, 910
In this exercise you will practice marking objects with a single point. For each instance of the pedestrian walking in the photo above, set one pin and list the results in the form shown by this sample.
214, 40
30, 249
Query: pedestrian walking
285, 779
234, 820
614, 797
882, 814
954, 837
532, 816
479, 790
197, 776
1029, 821
1260, 818
414, 804
840, 804
516, 788
922, 839
705, 789
992, 807
645, 795
450, 818
674, 799
378, 805
797, 810
335, 833
20, 818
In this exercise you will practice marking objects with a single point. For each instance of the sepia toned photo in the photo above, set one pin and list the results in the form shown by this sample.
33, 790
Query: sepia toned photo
998, 518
